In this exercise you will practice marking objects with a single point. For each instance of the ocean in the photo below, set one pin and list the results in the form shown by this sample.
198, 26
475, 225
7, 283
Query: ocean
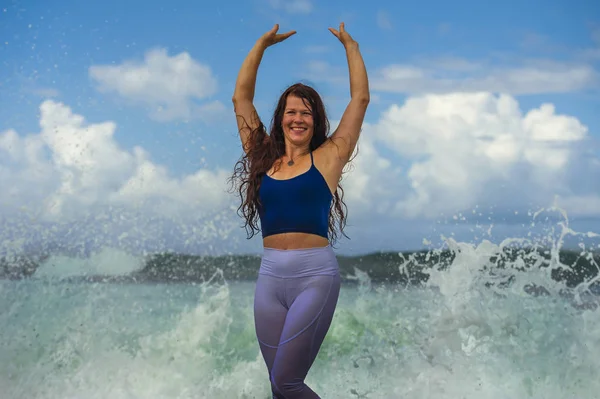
475, 328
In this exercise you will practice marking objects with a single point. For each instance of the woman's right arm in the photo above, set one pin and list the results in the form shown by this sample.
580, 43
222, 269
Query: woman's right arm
243, 96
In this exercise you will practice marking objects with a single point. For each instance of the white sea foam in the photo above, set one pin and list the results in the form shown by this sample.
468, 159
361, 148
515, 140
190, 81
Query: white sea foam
471, 332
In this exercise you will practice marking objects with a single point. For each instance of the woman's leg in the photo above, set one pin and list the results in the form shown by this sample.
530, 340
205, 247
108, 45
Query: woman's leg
312, 301
270, 312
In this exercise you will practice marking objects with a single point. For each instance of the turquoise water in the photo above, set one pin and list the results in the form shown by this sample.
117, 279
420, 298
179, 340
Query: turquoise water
454, 338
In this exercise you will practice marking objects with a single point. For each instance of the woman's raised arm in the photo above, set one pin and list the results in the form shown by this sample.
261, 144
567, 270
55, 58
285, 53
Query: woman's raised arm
243, 96
347, 133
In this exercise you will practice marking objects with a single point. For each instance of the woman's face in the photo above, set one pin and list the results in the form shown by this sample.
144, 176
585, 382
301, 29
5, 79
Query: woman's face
297, 122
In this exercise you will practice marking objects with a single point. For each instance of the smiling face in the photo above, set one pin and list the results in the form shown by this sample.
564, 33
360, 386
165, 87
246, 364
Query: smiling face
299, 119
297, 122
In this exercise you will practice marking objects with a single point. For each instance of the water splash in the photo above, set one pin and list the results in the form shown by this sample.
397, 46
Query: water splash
105, 262
473, 330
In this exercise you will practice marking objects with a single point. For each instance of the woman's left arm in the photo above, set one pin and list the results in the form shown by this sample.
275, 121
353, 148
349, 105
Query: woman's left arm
347, 133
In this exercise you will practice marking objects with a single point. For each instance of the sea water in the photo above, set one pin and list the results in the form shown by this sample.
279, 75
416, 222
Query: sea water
458, 336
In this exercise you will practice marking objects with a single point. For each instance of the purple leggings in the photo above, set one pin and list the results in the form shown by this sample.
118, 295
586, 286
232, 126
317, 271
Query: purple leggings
295, 299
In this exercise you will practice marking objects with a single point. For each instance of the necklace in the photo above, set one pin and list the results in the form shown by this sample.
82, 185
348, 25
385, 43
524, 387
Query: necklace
291, 161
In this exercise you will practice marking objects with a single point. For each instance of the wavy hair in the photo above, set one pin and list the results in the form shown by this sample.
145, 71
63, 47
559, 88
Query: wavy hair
264, 150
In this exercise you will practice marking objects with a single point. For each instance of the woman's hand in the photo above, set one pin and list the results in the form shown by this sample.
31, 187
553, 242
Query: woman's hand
343, 36
272, 37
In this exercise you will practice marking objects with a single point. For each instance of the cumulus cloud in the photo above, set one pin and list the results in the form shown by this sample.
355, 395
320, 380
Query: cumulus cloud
73, 168
170, 87
465, 150
432, 155
447, 75
371, 182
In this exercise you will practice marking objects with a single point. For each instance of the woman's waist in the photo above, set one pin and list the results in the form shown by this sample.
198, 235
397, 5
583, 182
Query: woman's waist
294, 240
299, 262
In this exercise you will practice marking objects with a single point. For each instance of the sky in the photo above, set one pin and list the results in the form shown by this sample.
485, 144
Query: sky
117, 128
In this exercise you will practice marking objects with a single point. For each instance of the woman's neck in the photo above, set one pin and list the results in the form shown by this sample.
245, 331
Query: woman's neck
292, 154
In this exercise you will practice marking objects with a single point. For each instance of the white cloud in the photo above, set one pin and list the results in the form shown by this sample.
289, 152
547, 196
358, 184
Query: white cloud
293, 6
169, 86
527, 79
472, 149
73, 168
432, 155
371, 182
447, 75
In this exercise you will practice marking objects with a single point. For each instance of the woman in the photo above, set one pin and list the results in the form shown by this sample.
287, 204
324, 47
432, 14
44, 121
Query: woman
289, 180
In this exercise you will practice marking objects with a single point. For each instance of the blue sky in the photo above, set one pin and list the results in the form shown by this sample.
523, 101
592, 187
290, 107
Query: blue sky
476, 108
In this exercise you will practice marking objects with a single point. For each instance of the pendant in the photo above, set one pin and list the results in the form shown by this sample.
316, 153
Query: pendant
290, 162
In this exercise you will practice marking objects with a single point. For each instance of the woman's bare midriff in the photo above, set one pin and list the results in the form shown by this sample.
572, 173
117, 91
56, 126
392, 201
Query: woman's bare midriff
294, 241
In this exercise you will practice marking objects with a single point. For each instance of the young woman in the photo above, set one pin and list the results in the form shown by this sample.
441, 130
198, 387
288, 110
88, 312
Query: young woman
289, 179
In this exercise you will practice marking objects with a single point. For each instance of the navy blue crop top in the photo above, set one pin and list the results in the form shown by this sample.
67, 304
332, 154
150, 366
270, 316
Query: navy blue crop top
300, 204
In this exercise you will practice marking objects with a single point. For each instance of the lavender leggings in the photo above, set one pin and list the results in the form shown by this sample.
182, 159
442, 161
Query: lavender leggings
295, 299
